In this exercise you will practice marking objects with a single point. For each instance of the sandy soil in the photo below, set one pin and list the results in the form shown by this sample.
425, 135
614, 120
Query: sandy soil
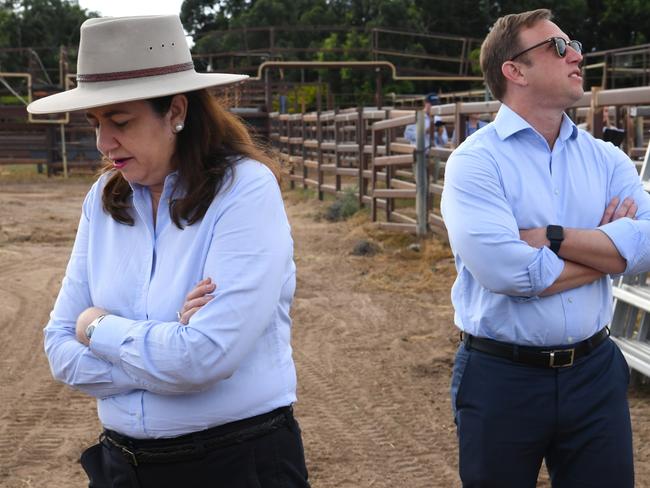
373, 341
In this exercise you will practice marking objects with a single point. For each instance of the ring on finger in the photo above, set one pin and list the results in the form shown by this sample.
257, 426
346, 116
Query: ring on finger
179, 315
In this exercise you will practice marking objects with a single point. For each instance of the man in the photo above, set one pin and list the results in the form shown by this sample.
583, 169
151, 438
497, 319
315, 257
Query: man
539, 215
439, 132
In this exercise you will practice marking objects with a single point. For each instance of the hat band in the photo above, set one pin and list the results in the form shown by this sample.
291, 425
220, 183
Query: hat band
137, 73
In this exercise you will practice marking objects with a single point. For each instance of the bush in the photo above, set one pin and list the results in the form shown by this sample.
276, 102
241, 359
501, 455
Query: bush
344, 206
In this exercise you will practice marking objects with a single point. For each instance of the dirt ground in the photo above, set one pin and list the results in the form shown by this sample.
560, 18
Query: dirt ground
373, 343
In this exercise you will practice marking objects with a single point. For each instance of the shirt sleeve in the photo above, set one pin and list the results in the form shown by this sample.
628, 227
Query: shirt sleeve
444, 138
409, 133
70, 361
483, 231
248, 257
630, 236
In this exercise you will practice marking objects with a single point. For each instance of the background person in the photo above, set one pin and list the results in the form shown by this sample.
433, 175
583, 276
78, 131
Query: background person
174, 310
440, 135
439, 132
472, 124
540, 215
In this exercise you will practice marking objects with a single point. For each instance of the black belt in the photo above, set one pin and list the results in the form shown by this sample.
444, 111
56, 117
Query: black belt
195, 444
543, 357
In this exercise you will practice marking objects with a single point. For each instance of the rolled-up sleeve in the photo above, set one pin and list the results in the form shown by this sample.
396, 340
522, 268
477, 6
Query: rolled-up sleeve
70, 361
630, 236
483, 231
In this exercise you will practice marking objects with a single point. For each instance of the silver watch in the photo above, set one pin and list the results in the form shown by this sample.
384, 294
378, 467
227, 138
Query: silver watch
91, 326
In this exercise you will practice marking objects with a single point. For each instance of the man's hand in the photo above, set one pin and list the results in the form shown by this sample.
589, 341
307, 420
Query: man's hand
535, 237
84, 320
627, 209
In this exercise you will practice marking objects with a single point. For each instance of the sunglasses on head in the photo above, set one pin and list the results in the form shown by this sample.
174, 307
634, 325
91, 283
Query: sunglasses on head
560, 43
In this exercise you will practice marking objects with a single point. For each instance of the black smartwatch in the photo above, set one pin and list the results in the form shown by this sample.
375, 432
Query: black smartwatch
555, 234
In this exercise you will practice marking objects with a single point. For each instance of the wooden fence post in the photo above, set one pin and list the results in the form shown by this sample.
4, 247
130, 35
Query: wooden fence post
420, 173
319, 169
360, 154
596, 113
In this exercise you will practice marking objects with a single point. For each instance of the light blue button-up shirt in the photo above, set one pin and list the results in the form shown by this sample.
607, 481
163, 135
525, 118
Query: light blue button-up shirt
505, 178
152, 376
439, 140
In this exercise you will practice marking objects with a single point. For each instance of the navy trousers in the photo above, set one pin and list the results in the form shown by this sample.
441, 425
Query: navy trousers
510, 417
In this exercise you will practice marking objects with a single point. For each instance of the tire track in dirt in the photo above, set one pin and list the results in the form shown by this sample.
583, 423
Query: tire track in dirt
26, 297
372, 433
43, 424
359, 412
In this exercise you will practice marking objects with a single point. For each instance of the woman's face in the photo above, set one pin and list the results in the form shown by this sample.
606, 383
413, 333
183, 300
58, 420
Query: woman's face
140, 142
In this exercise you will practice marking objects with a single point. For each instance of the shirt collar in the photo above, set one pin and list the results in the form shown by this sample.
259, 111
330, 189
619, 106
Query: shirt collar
170, 181
509, 122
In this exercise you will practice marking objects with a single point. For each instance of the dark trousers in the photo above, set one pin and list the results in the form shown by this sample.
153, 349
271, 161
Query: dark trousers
510, 417
275, 460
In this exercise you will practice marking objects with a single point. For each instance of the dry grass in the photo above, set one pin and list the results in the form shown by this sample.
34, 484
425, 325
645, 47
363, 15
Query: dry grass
27, 173
398, 265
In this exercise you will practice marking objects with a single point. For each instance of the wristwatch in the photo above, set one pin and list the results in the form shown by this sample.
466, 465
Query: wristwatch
555, 234
91, 326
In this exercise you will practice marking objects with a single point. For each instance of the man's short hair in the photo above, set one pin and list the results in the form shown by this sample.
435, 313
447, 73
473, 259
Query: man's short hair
502, 43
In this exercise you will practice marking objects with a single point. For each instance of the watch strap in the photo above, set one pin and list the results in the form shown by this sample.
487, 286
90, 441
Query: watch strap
93, 325
555, 235
555, 245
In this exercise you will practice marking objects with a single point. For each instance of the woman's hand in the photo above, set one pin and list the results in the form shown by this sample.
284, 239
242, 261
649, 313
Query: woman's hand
84, 320
195, 299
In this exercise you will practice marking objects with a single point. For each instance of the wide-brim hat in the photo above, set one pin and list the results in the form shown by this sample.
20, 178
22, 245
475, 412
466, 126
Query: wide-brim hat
122, 59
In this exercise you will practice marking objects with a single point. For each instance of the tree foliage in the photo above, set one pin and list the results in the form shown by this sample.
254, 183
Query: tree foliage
45, 26
599, 24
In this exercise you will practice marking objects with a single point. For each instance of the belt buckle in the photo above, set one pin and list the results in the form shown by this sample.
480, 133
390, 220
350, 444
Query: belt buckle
129, 455
552, 358
126, 452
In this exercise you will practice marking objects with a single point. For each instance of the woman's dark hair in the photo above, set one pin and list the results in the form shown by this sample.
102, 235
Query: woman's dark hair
211, 142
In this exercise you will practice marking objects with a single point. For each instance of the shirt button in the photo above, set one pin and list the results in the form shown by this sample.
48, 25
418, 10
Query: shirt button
570, 339
570, 300
556, 191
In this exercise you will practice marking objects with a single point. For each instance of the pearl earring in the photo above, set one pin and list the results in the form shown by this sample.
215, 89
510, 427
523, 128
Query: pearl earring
178, 127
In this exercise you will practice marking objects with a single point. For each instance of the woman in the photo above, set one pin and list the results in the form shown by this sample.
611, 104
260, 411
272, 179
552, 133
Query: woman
194, 382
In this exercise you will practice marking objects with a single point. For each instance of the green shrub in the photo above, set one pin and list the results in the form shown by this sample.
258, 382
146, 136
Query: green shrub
344, 206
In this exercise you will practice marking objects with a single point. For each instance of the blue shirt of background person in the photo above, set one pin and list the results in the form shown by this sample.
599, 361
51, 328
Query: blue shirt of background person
473, 124
440, 136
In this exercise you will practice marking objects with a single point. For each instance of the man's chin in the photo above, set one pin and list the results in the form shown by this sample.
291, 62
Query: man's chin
575, 96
